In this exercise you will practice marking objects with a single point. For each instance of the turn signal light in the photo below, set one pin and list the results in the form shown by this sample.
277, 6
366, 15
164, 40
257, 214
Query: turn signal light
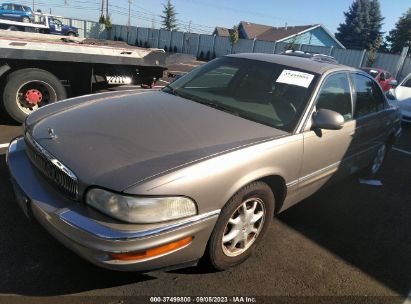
149, 253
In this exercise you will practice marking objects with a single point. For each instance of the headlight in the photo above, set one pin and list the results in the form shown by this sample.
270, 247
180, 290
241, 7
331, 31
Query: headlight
142, 210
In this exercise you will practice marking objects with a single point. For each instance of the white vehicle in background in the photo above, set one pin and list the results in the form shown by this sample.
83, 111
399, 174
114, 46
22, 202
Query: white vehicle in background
401, 97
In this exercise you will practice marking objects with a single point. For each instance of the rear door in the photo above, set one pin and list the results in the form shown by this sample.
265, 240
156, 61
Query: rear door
7, 12
327, 153
369, 113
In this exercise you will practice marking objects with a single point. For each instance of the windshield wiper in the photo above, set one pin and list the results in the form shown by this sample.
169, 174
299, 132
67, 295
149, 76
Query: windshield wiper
204, 101
220, 107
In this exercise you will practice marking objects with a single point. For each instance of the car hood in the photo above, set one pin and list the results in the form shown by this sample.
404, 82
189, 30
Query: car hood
117, 140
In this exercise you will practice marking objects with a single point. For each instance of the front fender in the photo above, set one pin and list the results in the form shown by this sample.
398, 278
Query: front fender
4, 69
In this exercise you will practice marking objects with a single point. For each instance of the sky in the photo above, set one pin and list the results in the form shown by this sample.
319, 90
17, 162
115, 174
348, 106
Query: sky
203, 15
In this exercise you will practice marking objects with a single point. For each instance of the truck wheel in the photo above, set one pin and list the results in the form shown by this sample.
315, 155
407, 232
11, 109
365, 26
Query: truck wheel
25, 20
241, 225
28, 89
12, 28
71, 34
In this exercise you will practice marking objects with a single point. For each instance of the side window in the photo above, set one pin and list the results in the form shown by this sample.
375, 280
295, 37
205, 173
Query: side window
369, 96
17, 8
335, 95
407, 84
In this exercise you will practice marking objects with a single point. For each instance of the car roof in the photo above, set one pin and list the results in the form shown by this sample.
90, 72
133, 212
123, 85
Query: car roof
308, 64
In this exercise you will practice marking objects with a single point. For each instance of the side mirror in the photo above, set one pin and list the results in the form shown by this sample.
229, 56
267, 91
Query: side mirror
393, 83
390, 94
328, 120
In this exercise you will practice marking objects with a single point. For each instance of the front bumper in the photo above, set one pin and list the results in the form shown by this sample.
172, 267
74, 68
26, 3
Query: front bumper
93, 235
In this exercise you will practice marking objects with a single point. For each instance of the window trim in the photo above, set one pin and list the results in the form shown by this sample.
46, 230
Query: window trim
311, 108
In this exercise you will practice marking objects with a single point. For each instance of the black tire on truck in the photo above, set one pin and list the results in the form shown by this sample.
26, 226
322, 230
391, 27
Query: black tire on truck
26, 90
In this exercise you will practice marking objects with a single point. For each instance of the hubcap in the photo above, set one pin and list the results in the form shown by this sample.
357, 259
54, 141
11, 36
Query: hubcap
378, 160
243, 227
34, 96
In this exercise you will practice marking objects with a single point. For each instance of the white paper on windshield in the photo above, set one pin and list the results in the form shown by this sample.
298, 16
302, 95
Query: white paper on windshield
297, 78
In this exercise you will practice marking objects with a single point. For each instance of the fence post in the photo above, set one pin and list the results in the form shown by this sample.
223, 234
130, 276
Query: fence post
364, 52
198, 45
85, 28
252, 48
158, 38
401, 60
182, 44
213, 48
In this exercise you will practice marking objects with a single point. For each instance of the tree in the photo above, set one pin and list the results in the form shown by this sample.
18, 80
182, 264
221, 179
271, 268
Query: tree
107, 23
234, 35
169, 20
362, 26
400, 36
293, 44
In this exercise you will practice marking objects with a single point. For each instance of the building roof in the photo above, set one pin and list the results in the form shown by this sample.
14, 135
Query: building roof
222, 31
271, 33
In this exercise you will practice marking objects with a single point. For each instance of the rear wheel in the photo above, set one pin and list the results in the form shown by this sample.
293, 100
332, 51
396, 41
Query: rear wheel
28, 89
241, 225
374, 168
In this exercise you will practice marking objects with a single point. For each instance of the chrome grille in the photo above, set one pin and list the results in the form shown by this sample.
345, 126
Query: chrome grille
59, 175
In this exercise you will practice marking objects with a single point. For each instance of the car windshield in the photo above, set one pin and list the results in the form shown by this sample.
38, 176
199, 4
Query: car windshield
372, 72
268, 93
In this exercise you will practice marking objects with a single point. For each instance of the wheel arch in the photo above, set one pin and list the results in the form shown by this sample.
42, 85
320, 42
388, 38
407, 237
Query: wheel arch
275, 181
4, 70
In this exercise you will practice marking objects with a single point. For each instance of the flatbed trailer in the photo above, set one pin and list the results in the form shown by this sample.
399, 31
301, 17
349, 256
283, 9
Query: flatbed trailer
38, 69
41, 27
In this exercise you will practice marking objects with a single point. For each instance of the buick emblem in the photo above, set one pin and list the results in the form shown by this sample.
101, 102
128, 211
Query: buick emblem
52, 135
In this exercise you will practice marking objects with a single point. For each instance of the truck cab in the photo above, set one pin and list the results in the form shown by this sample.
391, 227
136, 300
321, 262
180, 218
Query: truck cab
58, 28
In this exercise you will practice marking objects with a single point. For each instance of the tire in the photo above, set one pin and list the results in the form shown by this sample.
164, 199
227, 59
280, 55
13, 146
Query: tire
223, 254
30, 80
378, 161
25, 20
71, 34
13, 28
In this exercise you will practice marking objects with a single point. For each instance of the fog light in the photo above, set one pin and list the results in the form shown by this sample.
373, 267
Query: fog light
149, 253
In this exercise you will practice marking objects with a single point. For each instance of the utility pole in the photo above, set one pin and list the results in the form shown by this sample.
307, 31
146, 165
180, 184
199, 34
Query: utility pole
106, 8
33, 6
129, 19
189, 27
102, 7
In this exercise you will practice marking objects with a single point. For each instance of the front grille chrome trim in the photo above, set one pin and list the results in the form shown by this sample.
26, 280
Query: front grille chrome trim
52, 168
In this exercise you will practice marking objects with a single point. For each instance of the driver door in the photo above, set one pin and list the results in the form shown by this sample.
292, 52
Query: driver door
328, 153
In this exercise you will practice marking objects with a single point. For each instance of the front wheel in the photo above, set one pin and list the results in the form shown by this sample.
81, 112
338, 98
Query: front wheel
241, 225
28, 89
25, 20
